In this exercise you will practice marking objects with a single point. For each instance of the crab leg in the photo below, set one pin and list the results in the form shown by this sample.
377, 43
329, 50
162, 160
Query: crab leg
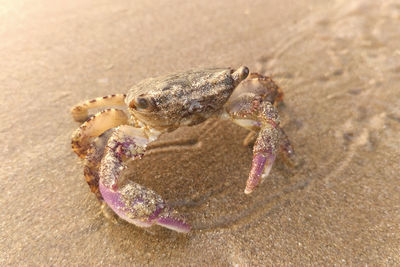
286, 147
250, 138
92, 162
131, 201
80, 111
94, 127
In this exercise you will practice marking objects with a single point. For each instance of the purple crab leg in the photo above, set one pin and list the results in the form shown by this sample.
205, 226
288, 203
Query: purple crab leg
131, 201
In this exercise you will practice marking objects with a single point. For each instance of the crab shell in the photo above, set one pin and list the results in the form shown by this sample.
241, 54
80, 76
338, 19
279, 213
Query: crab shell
187, 98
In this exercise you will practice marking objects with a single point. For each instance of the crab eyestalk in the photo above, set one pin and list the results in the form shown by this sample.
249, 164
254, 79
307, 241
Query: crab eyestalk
240, 74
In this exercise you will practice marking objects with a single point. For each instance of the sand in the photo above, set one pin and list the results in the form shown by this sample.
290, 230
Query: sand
339, 66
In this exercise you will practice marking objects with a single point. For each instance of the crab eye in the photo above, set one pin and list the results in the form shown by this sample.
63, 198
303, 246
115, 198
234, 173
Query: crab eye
142, 103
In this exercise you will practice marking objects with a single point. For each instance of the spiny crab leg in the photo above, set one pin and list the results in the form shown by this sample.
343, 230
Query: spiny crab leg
131, 201
80, 111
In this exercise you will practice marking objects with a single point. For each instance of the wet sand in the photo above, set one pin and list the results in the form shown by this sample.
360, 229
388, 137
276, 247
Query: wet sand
339, 66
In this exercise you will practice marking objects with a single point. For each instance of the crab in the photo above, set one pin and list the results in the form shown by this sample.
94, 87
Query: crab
109, 139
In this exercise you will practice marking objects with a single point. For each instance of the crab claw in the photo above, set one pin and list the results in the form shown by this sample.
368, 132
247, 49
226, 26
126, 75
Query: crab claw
142, 207
129, 200
264, 154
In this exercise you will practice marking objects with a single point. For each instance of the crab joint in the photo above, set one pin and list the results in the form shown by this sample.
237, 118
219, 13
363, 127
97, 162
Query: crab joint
94, 127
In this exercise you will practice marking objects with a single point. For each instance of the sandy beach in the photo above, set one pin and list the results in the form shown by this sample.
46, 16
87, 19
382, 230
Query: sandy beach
338, 63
